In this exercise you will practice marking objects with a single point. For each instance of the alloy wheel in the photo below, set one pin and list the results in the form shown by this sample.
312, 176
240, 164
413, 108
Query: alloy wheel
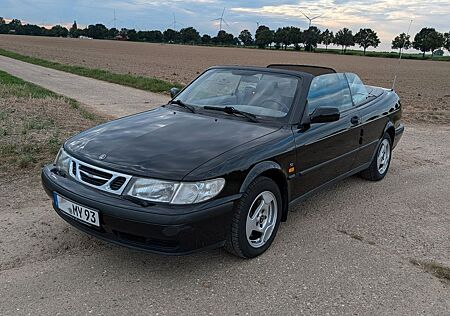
261, 219
384, 155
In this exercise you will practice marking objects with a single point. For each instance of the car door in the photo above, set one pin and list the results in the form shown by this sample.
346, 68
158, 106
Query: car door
372, 120
326, 151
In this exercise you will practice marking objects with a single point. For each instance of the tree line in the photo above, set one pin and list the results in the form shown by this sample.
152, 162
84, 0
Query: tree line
427, 40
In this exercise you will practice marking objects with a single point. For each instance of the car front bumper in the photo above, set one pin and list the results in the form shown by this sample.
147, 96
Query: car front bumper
157, 228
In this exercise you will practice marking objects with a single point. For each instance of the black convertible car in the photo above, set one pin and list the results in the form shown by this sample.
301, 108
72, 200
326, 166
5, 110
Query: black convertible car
223, 161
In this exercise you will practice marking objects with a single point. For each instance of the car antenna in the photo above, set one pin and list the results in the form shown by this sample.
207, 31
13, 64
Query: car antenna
401, 54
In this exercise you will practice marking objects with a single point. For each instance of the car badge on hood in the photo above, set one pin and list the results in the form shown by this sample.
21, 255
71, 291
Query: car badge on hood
102, 157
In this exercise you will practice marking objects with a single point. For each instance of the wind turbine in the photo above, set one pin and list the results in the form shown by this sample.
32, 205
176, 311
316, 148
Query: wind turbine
114, 20
174, 23
221, 19
310, 19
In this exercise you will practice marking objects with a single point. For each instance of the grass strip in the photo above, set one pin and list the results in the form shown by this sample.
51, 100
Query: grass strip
31, 132
13, 86
138, 82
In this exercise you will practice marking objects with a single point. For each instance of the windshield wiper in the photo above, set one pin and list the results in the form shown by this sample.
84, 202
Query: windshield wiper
232, 110
182, 104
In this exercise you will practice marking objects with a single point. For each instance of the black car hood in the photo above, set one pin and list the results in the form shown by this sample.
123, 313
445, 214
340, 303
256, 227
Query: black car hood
162, 143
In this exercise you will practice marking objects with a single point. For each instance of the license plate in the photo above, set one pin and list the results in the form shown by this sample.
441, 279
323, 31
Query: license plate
78, 211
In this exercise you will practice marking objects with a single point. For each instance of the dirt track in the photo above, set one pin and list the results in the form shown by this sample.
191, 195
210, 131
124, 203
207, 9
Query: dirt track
423, 85
345, 251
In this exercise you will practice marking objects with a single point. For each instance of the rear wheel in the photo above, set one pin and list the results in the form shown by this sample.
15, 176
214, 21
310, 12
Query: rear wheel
381, 162
255, 220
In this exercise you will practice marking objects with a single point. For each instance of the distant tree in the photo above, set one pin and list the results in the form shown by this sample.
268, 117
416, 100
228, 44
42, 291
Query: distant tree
366, 38
170, 36
223, 38
58, 31
3, 26
401, 42
97, 31
428, 39
30, 29
112, 33
206, 39
13, 27
154, 36
132, 35
263, 36
311, 38
344, 38
189, 35
282, 37
246, 37
447, 41
73, 31
327, 38
296, 37
15, 23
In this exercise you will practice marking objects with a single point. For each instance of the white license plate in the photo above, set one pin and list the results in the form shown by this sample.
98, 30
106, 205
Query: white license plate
78, 211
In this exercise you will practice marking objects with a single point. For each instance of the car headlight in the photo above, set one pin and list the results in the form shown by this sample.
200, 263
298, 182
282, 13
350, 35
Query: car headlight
62, 162
174, 192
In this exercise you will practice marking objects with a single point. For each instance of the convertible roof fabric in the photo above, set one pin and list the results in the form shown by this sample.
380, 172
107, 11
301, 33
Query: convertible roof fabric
313, 70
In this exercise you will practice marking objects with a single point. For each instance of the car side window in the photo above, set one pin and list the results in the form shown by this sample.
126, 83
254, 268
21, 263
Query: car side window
329, 90
357, 88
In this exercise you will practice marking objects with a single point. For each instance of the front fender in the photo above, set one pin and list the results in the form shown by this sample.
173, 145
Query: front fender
274, 171
257, 170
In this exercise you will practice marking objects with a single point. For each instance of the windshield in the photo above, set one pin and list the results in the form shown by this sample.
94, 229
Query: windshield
256, 92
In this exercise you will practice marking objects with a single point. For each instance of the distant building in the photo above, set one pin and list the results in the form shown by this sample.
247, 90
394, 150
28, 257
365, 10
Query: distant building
121, 37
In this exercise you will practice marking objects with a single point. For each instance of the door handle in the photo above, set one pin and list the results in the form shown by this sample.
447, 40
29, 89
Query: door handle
355, 120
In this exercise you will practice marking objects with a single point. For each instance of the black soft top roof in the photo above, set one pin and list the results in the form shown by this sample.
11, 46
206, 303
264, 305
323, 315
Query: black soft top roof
313, 70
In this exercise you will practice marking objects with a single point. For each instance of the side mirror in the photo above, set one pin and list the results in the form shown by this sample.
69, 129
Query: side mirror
324, 115
174, 92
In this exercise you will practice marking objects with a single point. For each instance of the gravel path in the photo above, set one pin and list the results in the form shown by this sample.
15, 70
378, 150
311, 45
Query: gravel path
104, 98
347, 250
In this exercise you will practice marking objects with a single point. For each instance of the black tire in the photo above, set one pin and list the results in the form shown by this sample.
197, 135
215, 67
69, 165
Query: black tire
237, 242
373, 173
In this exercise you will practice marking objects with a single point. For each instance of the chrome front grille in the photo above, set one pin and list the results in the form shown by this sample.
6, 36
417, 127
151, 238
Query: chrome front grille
99, 178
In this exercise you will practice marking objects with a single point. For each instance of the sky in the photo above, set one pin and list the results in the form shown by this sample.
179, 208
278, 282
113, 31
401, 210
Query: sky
387, 17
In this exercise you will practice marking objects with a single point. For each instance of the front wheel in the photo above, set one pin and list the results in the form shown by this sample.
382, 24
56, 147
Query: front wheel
380, 164
255, 220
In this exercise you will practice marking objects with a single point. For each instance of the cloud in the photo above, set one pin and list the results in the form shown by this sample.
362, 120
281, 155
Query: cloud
387, 17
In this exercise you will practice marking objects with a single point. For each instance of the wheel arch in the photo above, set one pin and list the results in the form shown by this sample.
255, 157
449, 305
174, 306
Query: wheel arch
273, 171
390, 129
